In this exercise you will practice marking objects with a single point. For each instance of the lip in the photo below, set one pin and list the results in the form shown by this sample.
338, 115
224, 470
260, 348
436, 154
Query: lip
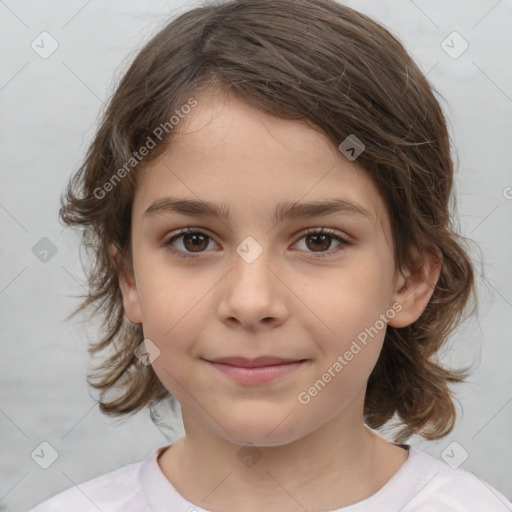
244, 362
256, 371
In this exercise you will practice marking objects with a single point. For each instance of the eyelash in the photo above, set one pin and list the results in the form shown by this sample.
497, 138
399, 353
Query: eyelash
311, 231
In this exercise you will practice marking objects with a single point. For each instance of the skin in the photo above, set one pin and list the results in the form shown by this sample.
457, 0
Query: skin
288, 302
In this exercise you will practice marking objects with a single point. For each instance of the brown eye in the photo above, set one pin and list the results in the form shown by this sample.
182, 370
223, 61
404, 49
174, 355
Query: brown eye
191, 241
195, 241
319, 241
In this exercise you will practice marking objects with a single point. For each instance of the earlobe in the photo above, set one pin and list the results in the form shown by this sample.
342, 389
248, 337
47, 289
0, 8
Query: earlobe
128, 288
414, 290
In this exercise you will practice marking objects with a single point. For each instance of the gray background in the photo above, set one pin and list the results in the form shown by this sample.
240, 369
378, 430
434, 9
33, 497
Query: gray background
49, 110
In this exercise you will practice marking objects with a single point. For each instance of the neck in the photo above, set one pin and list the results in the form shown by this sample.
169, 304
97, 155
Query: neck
339, 464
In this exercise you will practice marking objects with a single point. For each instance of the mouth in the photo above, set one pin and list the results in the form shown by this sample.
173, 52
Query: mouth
256, 371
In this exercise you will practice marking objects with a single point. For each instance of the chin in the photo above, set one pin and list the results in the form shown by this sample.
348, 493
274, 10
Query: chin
263, 429
260, 438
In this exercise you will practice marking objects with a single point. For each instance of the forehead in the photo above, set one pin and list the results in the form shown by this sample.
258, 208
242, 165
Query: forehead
228, 153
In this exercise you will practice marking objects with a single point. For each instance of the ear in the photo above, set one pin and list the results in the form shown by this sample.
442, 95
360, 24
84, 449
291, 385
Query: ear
128, 287
413, 291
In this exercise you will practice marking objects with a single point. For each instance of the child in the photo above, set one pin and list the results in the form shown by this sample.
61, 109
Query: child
244, 134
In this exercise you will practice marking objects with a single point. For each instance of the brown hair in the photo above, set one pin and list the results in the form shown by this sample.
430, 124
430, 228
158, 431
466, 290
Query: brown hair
342, 73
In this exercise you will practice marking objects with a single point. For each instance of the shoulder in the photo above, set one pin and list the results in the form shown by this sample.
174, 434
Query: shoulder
111, 492
451, 490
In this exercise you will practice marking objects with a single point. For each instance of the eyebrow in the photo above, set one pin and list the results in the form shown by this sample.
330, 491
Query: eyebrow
286, 210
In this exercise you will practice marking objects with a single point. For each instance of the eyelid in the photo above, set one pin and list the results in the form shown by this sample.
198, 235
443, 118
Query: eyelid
336, 234
175, 235
328, 231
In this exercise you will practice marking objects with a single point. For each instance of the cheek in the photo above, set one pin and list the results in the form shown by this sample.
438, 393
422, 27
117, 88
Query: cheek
341, 385
349, 301
173, 309
349, 339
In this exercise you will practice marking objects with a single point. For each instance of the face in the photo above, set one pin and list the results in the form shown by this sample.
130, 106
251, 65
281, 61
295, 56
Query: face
253, 283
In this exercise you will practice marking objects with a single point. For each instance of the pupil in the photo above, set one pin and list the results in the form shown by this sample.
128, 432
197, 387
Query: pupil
323, 239
196, 241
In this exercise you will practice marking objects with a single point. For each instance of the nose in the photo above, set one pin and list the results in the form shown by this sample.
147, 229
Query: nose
253, 295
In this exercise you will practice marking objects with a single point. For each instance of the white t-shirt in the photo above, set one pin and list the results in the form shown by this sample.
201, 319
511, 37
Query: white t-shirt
422, 484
